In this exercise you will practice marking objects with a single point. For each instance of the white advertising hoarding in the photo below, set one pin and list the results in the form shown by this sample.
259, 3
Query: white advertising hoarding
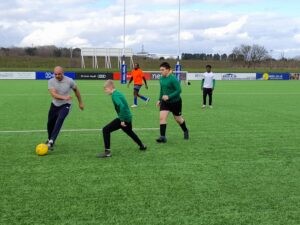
223, 76
17, 75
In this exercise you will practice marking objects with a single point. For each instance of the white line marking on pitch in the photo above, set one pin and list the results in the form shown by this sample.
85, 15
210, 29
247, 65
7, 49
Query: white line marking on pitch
184, 94
67, 130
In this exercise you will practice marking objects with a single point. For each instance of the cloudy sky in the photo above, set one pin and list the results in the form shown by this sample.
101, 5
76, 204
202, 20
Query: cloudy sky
210, 26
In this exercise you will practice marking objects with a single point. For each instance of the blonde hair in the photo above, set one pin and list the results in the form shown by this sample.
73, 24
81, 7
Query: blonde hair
109, 83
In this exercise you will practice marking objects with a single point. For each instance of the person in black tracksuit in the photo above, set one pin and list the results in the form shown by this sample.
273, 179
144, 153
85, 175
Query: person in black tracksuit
123, 121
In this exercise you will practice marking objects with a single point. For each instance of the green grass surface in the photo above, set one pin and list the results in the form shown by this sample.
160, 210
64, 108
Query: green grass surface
240, 166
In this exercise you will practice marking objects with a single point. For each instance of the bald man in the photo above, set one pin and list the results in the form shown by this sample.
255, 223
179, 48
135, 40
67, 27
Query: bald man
60, 87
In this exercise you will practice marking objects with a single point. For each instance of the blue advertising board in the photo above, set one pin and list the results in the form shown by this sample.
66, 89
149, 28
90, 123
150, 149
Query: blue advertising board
46, 75
123, 73
177, 70
272, 76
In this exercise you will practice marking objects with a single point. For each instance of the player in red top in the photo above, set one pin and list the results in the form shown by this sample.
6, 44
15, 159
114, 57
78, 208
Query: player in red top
137, 77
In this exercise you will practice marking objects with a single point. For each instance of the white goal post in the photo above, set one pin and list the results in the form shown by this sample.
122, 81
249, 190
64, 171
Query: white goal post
107, 53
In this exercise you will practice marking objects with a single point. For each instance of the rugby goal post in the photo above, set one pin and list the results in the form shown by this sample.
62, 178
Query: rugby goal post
107, 53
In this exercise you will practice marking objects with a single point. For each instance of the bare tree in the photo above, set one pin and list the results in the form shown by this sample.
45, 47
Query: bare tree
217, 57
31, 51
4, 51
258, 54
16, 51
246, 52
237, 55
282, 57
46, 50
224, 57
251, 54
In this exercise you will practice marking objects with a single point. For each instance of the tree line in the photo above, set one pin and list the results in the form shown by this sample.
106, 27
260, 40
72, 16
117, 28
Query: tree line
42, 51
248, 55
254, 53
243, 55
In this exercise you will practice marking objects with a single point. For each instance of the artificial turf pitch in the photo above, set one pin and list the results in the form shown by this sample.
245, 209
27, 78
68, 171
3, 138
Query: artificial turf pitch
240, 166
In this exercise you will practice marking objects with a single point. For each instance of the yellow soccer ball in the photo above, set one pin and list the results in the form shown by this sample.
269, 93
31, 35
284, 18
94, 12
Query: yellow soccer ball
41, 149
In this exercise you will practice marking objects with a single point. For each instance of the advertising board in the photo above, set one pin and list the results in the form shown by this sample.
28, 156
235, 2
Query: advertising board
17, 75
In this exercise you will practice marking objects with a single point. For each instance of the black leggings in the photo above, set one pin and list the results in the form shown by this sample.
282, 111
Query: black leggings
207, 91
116, 125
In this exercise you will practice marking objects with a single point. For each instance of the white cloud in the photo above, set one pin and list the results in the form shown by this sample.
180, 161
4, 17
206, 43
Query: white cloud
227, 31
229, 1
186, 36
297, 37
77, 42
56, 33
154, 24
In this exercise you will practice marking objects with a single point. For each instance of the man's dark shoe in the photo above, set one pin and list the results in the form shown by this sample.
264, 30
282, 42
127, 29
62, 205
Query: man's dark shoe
186, 135
143, 147
50, 145
161, 139
104, 154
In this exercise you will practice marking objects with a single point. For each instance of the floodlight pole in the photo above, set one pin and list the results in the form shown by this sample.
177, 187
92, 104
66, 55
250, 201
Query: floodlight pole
124, 27
271, 53
178, 66
179, 28
124, 66
71, 56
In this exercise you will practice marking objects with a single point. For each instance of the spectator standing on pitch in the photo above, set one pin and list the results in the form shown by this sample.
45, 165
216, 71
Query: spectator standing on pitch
60, 87
169, 101
207, 86
137, 77
124, 120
